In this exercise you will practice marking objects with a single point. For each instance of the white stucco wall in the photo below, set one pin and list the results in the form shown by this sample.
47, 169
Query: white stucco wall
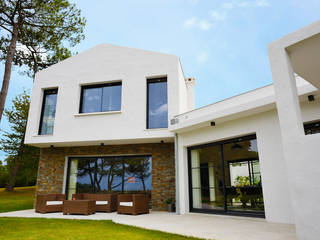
299, 52
278, 204
106, 63
183, 96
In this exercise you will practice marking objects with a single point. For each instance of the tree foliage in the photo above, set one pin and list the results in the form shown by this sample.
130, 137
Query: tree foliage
22, 159
34, 34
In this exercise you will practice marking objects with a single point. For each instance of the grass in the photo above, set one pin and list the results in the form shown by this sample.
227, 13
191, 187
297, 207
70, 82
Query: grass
22, 198
41, 228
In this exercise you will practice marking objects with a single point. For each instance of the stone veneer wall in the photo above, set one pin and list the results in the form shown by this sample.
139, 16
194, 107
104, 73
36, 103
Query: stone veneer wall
52, 165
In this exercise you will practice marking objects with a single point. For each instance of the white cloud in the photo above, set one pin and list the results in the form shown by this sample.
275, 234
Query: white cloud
202, 57
217, 15
262, 3
228, 5
197, 23
193, 2
190, 22
23, 48
161, 109
243, 4
222, 12
256, 3
204, 25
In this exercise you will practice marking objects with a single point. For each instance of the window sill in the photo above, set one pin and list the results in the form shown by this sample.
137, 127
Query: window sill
43, 135
155, 129
96, 113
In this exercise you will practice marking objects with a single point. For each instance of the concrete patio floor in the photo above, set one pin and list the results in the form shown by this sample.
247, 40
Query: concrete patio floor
207, 226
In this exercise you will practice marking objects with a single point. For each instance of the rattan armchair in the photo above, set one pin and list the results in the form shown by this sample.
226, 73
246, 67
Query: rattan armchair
133, 204
104, 202
46, 203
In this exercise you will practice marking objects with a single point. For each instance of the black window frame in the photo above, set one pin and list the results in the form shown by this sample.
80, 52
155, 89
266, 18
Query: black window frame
102, 85
224, 211
45, 93
103, 156
155, 80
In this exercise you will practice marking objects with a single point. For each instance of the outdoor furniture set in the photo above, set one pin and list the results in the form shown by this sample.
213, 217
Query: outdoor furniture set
90, 203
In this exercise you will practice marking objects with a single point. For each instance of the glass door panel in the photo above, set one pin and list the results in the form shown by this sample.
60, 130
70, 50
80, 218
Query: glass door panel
207, 181
226, 177
242, 176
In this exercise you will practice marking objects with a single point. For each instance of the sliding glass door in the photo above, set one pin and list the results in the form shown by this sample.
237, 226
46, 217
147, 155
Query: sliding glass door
207, 178
225, 177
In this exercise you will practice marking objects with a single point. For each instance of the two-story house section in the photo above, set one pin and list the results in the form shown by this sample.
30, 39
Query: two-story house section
116, 119
101, 120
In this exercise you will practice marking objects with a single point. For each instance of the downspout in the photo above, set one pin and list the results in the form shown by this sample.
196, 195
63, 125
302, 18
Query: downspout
176, 161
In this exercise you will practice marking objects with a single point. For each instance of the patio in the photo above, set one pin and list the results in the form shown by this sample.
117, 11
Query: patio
216, 227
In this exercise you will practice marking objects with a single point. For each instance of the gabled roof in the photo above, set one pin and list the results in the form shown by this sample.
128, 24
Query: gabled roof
106, 54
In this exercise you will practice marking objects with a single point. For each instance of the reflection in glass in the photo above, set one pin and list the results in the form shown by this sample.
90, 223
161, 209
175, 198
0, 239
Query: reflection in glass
73, 174
48, 112
242, 176
157, 103
111, 99
101, 98
110, 174
207, 187
226, 177
91, 100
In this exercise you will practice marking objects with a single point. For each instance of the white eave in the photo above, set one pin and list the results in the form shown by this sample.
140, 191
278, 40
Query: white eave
243, 105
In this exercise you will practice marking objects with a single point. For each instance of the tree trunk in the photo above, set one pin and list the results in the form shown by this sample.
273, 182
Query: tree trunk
17, 163
143, 184
122, 182
91, 180
12, 179
7, 68
110, 178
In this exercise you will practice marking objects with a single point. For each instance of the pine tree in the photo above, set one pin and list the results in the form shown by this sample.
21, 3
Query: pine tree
12, 142
33, 34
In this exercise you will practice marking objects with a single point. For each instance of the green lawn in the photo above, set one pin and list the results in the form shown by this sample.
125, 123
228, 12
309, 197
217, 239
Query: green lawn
38, 228
22, 198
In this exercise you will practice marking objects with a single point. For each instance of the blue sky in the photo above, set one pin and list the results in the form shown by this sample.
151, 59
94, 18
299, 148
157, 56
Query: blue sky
222, 43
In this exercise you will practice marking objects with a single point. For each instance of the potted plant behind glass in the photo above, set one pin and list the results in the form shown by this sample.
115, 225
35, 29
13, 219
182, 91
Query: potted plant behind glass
170, 205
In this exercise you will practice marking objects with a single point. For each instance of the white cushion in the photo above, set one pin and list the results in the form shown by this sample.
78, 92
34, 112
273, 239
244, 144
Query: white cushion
101, 202
54, 203
127, 204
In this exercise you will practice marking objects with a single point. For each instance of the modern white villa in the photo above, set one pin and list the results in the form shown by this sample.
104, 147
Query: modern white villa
118, 119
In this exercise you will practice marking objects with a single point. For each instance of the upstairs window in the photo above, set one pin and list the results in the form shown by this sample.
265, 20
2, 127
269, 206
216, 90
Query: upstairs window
48, 112
101, 98
157, 103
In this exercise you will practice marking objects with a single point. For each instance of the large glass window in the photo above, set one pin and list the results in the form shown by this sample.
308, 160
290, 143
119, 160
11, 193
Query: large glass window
157, 107
101, 98
109, 174
48, 111
226, 177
